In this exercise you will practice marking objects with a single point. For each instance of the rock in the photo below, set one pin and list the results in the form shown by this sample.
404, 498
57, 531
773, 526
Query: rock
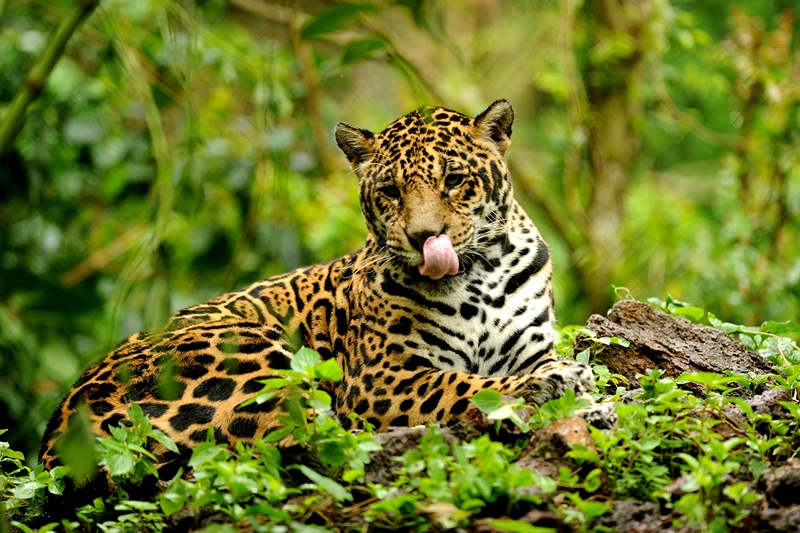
672, 344
766, 403
632, 515
540, 467
782, 485
545, 453
786, 520
556, 439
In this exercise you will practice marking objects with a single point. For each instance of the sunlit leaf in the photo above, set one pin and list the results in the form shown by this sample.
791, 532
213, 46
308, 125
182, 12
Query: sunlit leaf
305, 360
330, 486
329, 370
487, 400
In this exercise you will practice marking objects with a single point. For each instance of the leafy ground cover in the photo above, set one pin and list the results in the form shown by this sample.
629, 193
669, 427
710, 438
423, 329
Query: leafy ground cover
693, 453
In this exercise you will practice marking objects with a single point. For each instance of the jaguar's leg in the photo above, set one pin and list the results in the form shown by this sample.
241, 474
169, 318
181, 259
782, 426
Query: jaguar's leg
553, 378
413, 397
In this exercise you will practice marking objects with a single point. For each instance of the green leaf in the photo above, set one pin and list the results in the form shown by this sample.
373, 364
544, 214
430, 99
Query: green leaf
165, 441
305, 360
320, 401
27, 490
274, 383
352, 474
362, 49
583, 357
647, 443
338, 492
137, 505
729, 328
337, 18
173, 499
14, 454
613, 340
695, 313
672, 302
779, 328
502, 413
757, 467
594, 509
718, 525
120, 463
709, 379
206, 453
136, 415
332, 452
259, 398
118, 432
517, 526
279, 434
594, 480
487, 400
59, 472
329, 370
43, 529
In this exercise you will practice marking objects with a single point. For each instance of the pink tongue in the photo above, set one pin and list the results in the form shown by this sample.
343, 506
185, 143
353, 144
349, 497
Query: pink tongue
439, 258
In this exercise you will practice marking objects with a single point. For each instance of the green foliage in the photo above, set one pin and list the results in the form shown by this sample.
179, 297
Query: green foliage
124, 452
23, 487
178, 152
469, 477
527, 417
565, 339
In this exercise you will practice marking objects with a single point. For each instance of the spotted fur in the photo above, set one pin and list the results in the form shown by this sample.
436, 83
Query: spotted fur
413, 350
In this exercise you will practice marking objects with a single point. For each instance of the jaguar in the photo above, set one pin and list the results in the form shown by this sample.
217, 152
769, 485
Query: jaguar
451, 294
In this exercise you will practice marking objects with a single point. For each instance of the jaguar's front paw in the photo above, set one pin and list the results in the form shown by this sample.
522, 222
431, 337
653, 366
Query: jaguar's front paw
552, 380
600, 415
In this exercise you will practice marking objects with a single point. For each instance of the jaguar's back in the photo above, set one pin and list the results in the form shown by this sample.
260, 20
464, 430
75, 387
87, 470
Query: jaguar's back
450, 294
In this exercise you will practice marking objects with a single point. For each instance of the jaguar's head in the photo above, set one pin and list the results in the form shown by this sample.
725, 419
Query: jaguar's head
434, 185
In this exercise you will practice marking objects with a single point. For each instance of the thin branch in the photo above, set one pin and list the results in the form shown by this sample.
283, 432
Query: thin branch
37, 77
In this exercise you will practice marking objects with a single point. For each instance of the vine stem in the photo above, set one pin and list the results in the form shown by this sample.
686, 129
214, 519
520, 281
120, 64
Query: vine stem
35, 81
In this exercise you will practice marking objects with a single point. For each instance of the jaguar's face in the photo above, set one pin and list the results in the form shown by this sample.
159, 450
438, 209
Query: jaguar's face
433, 184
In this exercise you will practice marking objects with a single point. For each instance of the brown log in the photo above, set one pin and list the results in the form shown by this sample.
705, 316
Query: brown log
672, 344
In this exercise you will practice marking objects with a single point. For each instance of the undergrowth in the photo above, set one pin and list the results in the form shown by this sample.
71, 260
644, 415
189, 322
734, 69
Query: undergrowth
680, 449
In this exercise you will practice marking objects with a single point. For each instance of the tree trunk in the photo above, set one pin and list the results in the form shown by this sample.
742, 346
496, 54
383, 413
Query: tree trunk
615, 104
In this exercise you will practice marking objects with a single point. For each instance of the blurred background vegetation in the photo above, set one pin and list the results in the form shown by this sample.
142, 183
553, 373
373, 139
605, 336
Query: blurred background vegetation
183, 148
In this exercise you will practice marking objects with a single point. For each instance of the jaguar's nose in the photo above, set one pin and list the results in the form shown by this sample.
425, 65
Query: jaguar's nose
418, 238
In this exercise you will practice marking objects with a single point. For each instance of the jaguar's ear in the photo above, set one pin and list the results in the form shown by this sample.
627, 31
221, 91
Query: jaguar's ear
354, 142
495, 123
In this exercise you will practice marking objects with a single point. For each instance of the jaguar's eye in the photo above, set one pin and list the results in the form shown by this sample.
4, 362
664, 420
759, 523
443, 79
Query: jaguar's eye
454, 180
390, 191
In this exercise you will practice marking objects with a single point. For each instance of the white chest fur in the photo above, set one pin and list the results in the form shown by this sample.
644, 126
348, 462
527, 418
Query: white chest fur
503, 321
